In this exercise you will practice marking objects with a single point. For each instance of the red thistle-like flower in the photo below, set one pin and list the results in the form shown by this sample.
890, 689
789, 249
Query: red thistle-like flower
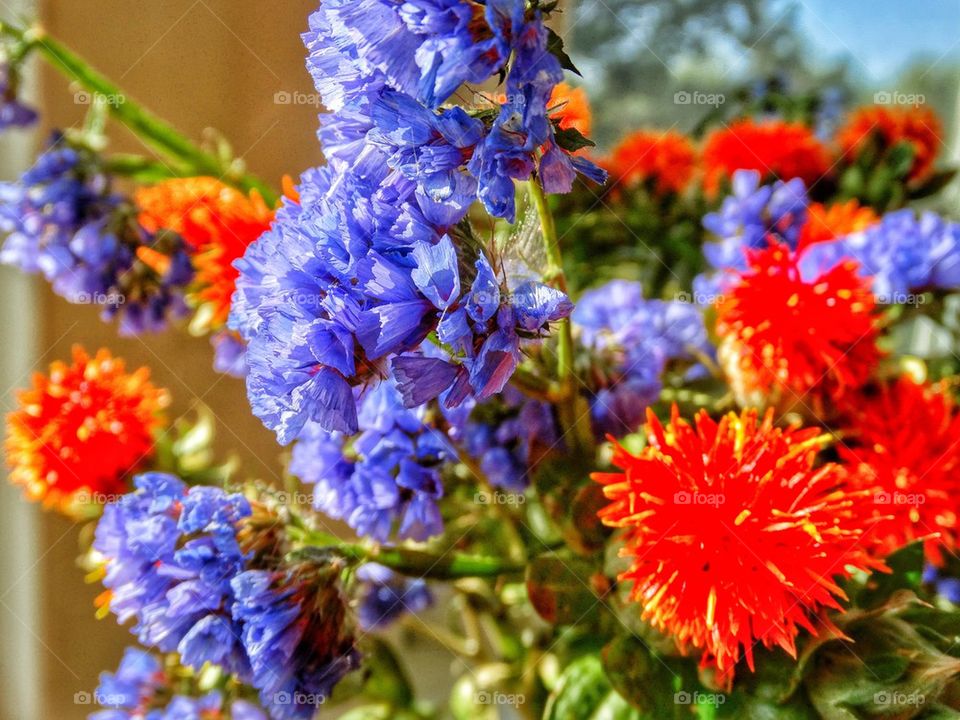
666, 160
571, 107
217, 221
734, 535
83, 427
781, 331
776, 149
903, 444
880, 129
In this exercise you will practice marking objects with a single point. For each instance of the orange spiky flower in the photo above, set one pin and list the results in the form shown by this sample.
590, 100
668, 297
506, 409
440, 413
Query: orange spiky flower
808, 336
734, 535
902, 444
829, 223
217, 221
85, 427
665, 159
571, 106
776, 149
889, 126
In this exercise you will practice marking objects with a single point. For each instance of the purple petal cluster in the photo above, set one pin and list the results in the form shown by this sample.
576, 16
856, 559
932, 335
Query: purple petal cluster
13, 112
631, 341
294, 631
368, 263
384, 481
749, 219
902, 252
62, 219
141, 688
385, 596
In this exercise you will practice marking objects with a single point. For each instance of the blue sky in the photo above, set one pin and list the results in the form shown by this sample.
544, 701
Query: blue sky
882, 34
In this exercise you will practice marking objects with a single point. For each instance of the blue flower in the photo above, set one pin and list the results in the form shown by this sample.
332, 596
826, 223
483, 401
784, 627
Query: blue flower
170, 553
13, 112
62, 219
385, 480
294, 631
902, 253
385, 596
631, 341
945, 585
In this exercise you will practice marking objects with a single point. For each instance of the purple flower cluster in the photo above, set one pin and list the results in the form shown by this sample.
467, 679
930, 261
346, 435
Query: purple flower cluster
385, 596
174, 564
141, 689
13, 113
749, 219
62, 219
902, 253
386, 479
631, 341
365, 266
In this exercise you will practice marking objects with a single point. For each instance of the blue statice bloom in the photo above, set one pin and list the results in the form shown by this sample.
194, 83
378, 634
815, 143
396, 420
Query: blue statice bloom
384, 481
13, 112
294, 630
631, 341
902, 253
229, 354
385, 596
169, 554
62, 219
945, 584
141, 687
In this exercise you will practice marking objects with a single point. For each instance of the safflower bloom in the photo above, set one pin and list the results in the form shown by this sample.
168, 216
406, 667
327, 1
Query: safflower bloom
571, 107
734, 536
777, 150
903, 446
84, 427
829, 223
889, 126
665, 159
218, 222
783, 330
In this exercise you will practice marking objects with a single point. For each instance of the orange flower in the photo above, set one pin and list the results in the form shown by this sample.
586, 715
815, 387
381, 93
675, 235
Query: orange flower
828, 223
218, 223
667, 160
776, 149
807, 336
734, 535
890, 126
903, 444
83, 427
572, 107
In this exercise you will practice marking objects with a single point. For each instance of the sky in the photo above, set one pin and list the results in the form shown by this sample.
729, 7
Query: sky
882, 35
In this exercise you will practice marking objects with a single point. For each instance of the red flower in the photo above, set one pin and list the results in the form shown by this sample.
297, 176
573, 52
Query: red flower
887, 127
777, 150
904, 444
828, 223
84, 427
666, 160
781, 331
217, 221
572, 107
733, 534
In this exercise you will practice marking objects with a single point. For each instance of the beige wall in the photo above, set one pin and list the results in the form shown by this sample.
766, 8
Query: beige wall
199, 64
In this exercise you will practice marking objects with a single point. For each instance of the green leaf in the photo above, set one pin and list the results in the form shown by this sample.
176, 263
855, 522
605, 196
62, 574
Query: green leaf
937, 182
387, 681
559, 588
900, 159
906, 565
555, 46
571, 139
649, 683
584, 691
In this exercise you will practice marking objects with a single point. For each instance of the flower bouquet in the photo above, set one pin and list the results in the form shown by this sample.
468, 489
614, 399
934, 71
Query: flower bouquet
668, 432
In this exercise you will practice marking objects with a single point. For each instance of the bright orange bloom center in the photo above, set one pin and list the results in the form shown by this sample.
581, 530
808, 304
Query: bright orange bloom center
665, 159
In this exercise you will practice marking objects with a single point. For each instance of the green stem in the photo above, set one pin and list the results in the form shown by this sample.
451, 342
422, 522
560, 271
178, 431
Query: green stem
570, 411
153, 131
